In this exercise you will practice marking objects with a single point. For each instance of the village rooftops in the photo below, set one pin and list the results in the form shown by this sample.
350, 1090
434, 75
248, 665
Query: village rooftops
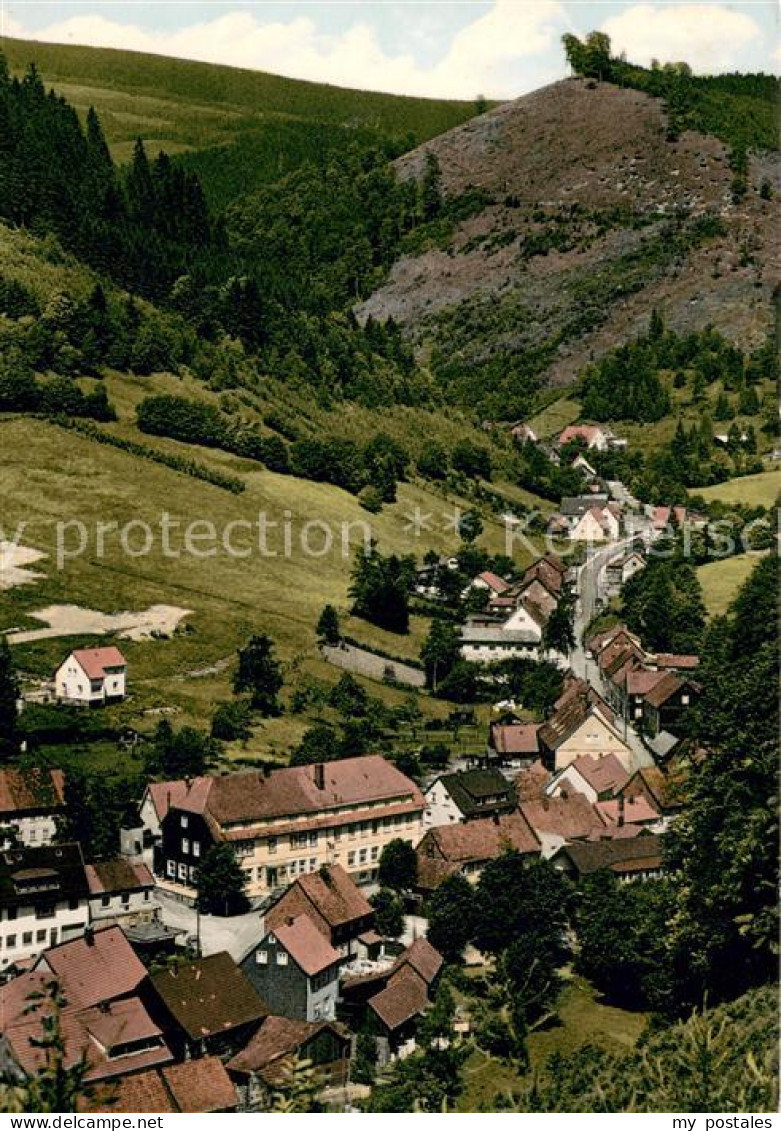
43, 873
515, 738
493, 581
30, 790
622, 856
252, 796
475, 791
475, 632
98, 967
571, 817
200, 1085
111, 877
604, 773
209, 996
449, 848
276, 1043
99, 662
676, 661
309, 949
329, 897
568, 718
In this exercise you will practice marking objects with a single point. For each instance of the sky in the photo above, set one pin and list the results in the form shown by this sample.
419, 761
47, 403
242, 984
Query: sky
434, 48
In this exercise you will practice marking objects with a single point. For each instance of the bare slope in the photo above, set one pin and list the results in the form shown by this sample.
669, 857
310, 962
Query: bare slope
595, 219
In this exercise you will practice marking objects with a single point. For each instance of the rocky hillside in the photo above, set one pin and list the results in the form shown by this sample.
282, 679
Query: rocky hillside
594, 219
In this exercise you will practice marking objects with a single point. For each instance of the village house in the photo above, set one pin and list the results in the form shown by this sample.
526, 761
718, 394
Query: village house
393, 998
43, 900
627, 813
592, 435
288, 822
561, 819
636, 858
336, 907
579, 727
666, 703
597, 524
522, 433
121, 891
92, 677
619, 570
466, 796
513, 744
487, 582
104, 1018
265, 1062
207, 1006
295, 970
597, 778
466, 848
31, 801
664, 790
200, 1085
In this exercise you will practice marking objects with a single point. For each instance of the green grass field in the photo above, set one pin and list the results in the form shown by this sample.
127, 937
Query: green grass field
721, 581
755, 490
178, 105
582, 1019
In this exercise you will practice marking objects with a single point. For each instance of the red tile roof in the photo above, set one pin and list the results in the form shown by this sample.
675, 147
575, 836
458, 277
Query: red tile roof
530, 783
636, 811
423, 958
404, 997
569, 716
515, 738
95, 661
292, 792
278, 1039
141, 1092
493, 581
118, 1022
200, 1085
449, 848
29, 790
117, 876
579, 432
308, 948
164, 794
572, 817
664, 689
602, 773
89, 972
641, 681
676, 660
330, 898
210, 995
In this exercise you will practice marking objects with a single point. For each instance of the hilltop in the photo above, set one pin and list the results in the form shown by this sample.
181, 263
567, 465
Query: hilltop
595, 217
238, 128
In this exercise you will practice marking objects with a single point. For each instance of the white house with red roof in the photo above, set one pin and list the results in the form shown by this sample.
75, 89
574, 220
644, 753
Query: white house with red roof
92, 677
593, 436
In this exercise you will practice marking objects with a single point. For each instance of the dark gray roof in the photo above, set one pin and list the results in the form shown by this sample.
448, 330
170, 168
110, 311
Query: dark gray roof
470, 789
39, 875
621, 855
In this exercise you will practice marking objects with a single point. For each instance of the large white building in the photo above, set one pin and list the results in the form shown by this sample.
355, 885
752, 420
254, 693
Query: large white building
92, 677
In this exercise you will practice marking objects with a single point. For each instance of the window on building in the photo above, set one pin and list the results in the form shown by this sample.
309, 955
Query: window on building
261, 957
350, 859
312, 839
53, 936
313, 864
27, 938
182, 872
362, 856
170, 869
146, 896
73, 904
375, 852
105, 900
11, 913
196, 848
272, 844
184, 821
125, 898
11, 942
281, 958
40, 936
185, 846
45, 911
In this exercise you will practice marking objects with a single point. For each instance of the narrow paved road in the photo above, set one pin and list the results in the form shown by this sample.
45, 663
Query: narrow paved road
587, 586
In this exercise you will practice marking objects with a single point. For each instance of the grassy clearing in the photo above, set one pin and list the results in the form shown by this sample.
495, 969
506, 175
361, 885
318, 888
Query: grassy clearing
582, 1019
755, 490
50, 477
178, 105
551, 420
722, 579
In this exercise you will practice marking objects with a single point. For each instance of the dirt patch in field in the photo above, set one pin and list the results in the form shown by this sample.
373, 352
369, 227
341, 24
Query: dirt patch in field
72, 620
14, 560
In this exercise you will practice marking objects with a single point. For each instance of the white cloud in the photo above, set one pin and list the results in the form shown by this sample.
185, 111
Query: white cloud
710, 37
507, 51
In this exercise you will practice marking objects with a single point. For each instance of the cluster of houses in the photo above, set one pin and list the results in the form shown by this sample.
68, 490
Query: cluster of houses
513, 621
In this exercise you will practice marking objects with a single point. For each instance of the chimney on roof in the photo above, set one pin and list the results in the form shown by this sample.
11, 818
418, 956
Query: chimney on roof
289, 921
620, 810
89, 936
319, 773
